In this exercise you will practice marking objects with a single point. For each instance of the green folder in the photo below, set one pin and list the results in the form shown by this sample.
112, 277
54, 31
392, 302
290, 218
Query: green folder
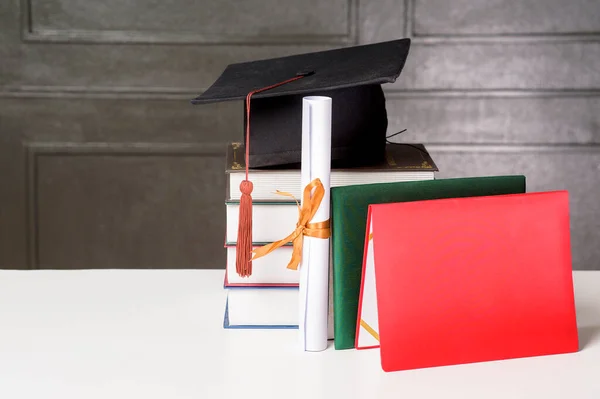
349, 206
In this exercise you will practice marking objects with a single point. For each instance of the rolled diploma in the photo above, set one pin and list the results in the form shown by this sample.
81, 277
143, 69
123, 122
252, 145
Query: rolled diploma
314, 266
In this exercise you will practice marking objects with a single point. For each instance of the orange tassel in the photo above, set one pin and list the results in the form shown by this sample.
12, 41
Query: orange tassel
244, 241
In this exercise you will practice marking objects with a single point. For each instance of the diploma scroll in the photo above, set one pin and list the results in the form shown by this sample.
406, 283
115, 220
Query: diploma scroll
314, 266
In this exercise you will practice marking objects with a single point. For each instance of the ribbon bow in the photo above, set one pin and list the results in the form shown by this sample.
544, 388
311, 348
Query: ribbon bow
310, 205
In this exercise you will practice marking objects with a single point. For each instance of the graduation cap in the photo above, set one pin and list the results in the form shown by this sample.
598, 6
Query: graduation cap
274, 89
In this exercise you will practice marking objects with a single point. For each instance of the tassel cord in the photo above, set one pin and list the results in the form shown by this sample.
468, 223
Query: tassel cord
244, 239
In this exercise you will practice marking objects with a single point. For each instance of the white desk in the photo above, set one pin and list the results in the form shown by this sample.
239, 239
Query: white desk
158, 334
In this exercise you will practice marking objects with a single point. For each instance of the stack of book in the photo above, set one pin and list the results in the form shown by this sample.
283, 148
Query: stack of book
269, 297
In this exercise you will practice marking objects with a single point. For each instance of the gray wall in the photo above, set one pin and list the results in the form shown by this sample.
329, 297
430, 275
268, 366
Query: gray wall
104, 164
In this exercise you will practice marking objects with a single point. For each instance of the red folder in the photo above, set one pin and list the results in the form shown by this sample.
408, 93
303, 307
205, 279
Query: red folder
473, 279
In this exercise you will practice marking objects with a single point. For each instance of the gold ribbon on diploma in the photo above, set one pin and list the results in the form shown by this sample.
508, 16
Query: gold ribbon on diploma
310, 205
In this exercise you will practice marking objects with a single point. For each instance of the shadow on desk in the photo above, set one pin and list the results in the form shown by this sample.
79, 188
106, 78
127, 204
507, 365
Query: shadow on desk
588, 335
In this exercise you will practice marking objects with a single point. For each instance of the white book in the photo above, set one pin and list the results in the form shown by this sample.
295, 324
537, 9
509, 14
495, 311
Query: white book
267, 270
262, 307
270, 221
265, 185
404, 162
266, 308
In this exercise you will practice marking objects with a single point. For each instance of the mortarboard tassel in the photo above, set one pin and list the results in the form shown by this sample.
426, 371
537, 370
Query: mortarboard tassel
243, 249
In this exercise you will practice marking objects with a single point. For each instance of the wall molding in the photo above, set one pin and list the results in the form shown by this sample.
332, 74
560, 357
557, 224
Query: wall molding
513, 148
495, 38
30, 34
35, 150
164, 93
492, 93
98, 92
504, 39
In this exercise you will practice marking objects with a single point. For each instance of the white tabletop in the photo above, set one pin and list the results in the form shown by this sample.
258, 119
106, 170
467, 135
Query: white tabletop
158, 334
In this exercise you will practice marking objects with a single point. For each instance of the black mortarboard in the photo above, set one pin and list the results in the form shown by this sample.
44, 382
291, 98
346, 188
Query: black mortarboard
351, 76
274, 90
